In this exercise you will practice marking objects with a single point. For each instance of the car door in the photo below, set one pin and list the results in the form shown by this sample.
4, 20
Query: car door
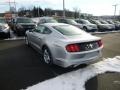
39, 35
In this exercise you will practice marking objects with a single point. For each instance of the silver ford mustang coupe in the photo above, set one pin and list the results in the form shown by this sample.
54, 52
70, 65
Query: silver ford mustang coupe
63, 44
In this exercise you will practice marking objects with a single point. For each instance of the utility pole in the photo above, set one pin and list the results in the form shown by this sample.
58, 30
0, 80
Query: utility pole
15, 6
9, 3
63, 8
115, 9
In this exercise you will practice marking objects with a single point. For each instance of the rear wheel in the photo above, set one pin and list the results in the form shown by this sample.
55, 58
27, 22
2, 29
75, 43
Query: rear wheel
47, 56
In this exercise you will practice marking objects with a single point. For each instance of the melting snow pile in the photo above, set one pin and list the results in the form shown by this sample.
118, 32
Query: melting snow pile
75, 80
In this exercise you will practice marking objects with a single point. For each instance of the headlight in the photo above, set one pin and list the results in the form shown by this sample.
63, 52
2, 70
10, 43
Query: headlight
5, 28
2, 27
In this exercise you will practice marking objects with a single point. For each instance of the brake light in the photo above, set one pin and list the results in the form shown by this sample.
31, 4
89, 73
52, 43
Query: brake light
100, 43
73, 48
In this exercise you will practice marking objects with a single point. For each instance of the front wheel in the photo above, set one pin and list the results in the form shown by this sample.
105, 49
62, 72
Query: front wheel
47, 56
85, 29
26, 40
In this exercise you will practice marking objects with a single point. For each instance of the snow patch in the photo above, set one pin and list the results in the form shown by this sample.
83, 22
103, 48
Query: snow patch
75, 80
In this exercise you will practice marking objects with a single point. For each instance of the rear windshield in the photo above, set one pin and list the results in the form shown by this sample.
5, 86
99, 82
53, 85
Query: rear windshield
68, 30
51, 21
104, 22
24, 20
96, 21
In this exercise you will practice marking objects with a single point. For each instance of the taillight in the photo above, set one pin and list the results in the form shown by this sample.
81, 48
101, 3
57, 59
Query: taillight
100, 43
73, 48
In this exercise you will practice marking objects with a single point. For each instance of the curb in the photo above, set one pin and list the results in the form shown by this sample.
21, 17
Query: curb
107, 32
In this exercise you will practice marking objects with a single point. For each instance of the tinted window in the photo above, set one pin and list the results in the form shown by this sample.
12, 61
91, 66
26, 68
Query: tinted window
85, 22
62, 21
43, 30
46, 31
110, 22
104, 22
96, 22
68, 30
39, 29
51, 21
70, 21
2, 20
117, 22
24, 20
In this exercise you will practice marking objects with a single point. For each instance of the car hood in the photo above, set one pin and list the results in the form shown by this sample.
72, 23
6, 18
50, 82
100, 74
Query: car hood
80, 38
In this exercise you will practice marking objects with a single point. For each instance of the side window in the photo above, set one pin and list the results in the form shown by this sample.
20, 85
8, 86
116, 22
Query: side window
46, 31
64, 21
41, 21
39, 29
81, 22
43, 30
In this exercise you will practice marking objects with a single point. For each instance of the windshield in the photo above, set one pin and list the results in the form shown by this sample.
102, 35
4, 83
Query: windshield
110, 22
104, 22
68, 30
71, 21
51, 21
2, 20
85, 22
117, 22
24, 20
96, 22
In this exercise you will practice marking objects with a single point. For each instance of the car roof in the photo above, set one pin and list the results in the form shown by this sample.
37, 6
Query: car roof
54, 24
45, 17
21, 17
64, 19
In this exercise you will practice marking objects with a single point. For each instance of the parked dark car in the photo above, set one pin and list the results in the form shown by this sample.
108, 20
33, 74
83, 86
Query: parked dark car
116, 23
71, 22
4, 29
46, 20
101, 26
111, 26
21, 24
87, 26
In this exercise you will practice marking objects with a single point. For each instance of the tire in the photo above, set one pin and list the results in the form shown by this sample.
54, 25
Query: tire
47, 57
84, 28
26, 41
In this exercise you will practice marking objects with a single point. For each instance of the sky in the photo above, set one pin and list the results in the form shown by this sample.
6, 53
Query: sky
95, 7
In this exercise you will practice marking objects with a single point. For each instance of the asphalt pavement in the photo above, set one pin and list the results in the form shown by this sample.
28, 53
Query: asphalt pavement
21, 66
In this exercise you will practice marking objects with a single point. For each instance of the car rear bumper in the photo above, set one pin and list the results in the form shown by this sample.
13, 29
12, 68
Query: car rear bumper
77, 59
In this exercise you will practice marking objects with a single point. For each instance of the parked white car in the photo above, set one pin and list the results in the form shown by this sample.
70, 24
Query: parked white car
87, 26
